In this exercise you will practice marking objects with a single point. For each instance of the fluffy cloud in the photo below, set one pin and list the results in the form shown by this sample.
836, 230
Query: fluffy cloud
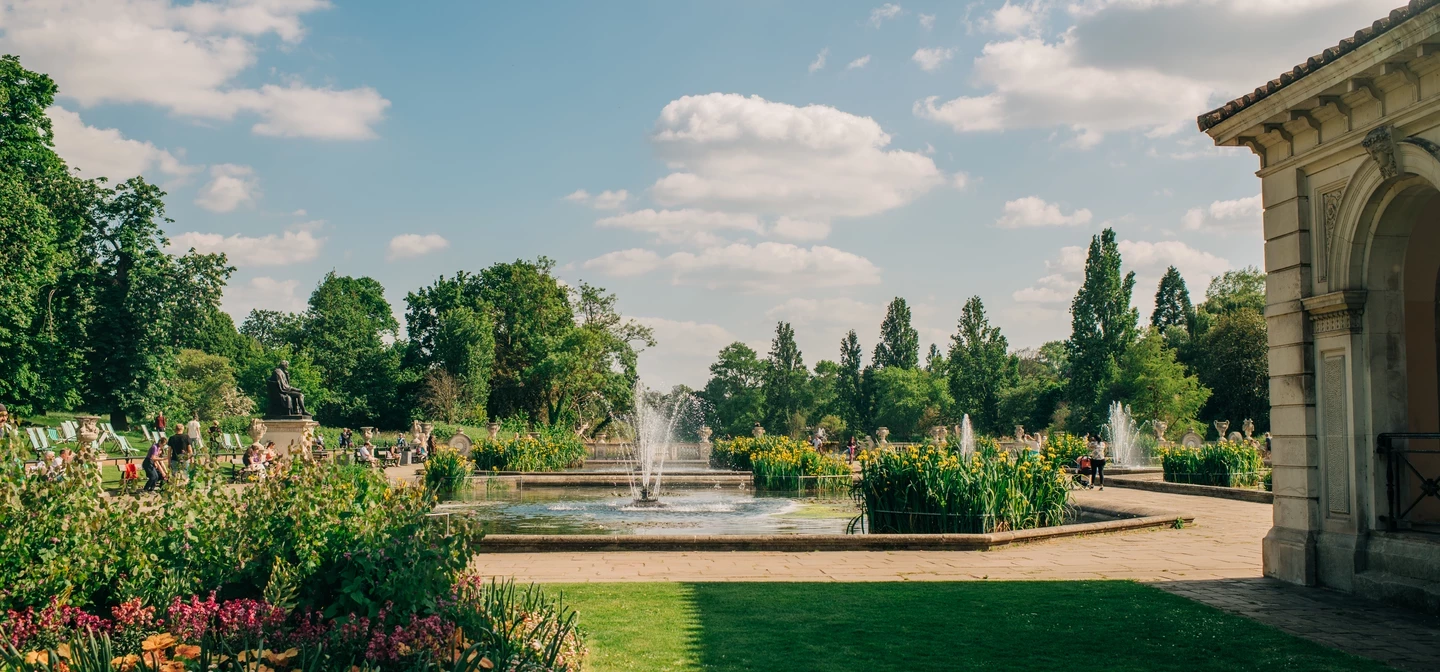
1147, 65
264, 293
683, 351
747, 154
411, 245
790, 228
605, 200
1148, 260
105, 152
1033, 211
819, 62
842, 311
230, 186
688, 226
859, 63
884, 12
927, 21
292, 247
186, 58
763, 268
930, 60
1244, 215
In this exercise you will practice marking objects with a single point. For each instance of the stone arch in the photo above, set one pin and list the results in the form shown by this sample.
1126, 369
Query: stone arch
1371, 198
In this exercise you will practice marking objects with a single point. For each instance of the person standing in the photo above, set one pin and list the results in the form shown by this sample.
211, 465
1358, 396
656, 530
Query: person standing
154, 474
179, 444
160, 422
1097, 462
192, 429
850, 449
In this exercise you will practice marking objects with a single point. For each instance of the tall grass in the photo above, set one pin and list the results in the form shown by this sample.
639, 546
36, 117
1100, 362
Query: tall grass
447, 471
928, 490
549, 451
1230, 464
781, 463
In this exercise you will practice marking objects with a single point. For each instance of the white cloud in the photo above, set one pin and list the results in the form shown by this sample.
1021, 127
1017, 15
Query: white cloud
1054, 288
883, 13
789, 228
927, 21
105, 152
747, 154
605, 200
930, 60
682, 353
411, 245
189, 59
1033, 211
767, 267
843, 311
264, 293
292, 247
819, 62
960, 181
1244, 216
859, 63
688, 226
230, 187
578, 196
1014, 19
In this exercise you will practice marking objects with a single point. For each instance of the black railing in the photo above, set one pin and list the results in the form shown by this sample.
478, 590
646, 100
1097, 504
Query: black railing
1399, 468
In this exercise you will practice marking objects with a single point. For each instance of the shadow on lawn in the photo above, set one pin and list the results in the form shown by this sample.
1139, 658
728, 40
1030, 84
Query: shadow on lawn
1070, 626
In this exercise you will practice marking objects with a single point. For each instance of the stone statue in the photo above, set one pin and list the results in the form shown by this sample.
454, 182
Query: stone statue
1249, 427
705, 433
1221, 426
882, 433
1020, 433
1160, 426
256, 431
286, 402
494, 430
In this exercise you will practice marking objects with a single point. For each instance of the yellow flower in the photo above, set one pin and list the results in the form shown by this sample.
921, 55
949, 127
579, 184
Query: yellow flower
63, 651
34, 657
158, 642
279, 659
126, 663
189, 651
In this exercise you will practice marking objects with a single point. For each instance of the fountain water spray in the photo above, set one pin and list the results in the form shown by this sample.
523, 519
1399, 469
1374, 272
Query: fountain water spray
1122, 433
654, 423
967, 437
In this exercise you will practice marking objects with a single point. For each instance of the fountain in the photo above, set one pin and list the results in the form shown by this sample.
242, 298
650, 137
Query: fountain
967, 437
1122, 433
654, 424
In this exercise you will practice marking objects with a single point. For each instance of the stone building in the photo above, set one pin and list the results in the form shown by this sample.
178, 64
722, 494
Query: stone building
1349, 148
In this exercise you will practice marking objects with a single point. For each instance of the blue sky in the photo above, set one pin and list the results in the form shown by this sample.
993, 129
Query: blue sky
804, 161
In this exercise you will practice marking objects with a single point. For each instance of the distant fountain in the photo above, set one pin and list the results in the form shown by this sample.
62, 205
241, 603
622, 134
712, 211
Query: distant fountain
1122, 433
654, 423
967, 437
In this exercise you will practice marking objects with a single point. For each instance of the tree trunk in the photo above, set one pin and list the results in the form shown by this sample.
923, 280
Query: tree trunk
117, 419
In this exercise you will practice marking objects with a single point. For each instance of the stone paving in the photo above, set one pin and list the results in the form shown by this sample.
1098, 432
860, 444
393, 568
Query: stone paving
1215, 561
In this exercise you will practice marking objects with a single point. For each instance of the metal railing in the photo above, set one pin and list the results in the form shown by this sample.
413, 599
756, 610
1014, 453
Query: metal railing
1404, 479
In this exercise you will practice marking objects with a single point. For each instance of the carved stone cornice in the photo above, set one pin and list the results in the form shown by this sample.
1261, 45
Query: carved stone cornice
1336, 312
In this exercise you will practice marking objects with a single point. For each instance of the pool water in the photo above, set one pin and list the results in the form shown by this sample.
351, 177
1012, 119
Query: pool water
687, 511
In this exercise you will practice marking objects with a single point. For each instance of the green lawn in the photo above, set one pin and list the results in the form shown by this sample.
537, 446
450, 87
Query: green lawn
880, 627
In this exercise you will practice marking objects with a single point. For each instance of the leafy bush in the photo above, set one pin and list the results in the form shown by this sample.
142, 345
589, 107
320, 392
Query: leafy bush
933, 490
1064, 448
447, 471
779, 462
1230, 464
543, 452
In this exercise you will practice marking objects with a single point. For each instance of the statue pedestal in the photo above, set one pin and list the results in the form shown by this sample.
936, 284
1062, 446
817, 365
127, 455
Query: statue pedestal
286, 433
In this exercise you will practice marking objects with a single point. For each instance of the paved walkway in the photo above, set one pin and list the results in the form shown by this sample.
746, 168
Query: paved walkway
1215, 561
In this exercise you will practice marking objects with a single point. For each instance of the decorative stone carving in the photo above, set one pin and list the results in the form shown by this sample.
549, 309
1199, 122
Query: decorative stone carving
1160, 426
1380, 143
461, 442
1342, 311
602, 437
1234, 437
87, 434
1336, 444
367, 433
1192, 440
494, 430
1020, 433
1249, 427
417, 433
256, 431
882, 433
938, 433
705, 433
1329, 216
1220, 427
757, 431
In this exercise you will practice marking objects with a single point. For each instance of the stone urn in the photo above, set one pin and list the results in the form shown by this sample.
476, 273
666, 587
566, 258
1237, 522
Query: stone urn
367, 433
494, 430
938, 433
1020, 433
1160, 426
882, 433
1249, 428
87, 434
757, 431
1221, 426
602, 437
256, 431
429, 428
705, 433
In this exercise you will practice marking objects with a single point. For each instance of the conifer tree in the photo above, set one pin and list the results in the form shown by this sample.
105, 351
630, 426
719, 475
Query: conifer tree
849, 386
980, 367
1103, 326
785, 378
1172, 303
899, 344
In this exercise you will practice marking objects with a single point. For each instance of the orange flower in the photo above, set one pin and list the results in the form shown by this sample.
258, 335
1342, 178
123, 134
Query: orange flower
63, 651
486, 664
172, 666
158, 642
34, 657
280, 659
188, 651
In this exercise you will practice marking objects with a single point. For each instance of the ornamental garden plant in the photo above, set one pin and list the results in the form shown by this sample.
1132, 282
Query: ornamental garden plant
1229, 464
781, 463
543, 451
935, 490
320, 567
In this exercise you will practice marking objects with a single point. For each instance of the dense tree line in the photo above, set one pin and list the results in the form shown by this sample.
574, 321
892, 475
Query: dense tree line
1192, 364
95, 313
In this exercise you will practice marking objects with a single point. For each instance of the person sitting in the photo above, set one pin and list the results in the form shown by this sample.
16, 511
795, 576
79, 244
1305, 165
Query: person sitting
252, 464
364, 455
129, 474
270, 454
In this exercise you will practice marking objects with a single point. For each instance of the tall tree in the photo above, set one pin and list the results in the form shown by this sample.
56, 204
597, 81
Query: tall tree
1235, 364
531, 311
785, 379
899, 342
908, 401
142, 294
980, 368
272, 328
1157, 386
1103, 326
935, 362
1172, 303
734, 396
1236, 290
590, 370
347, 326
464, 349
849, 390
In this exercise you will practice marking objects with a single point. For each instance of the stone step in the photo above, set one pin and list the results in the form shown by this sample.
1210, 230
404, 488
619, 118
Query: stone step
1400, 590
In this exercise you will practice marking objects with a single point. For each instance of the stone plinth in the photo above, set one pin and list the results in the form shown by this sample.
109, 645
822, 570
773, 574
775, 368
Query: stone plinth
286, 434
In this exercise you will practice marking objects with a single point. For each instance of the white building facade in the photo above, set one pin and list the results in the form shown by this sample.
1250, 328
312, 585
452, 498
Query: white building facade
1349, 148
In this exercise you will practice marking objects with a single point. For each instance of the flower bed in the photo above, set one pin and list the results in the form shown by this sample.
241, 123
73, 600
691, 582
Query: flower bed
1230, 464
543, 452
330, 560
929, 490
781, 463
447, 471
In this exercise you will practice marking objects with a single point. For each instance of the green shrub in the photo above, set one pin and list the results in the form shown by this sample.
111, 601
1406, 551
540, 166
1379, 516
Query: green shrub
447, 471
1065, 448
543, 452
780, 462
1230, 464
931, 490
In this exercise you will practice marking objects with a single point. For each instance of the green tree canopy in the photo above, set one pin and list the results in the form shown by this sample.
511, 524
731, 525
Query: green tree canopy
1103, 326
1235, 364
980, 368
348, 327
1172, 303
849, 388
1157, 386
908, 401
1236, 290
785, 380
899, 342
734, 396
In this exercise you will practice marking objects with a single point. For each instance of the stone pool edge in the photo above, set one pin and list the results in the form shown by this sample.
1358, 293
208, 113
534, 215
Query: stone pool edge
556, 543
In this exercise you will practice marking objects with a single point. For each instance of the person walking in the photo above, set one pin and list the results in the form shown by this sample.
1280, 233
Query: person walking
154, 476
160, 422
1097, 462
179, 444
850, 448
192, 430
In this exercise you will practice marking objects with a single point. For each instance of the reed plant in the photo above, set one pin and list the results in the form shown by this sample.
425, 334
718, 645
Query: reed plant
930, 490
547, 451
1229, 464
781, 463
447, 471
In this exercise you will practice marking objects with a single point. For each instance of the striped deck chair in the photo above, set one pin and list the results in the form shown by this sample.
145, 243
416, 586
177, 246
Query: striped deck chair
67, 429
124, 444
54, 435
35, 439
225, 440
145, 431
